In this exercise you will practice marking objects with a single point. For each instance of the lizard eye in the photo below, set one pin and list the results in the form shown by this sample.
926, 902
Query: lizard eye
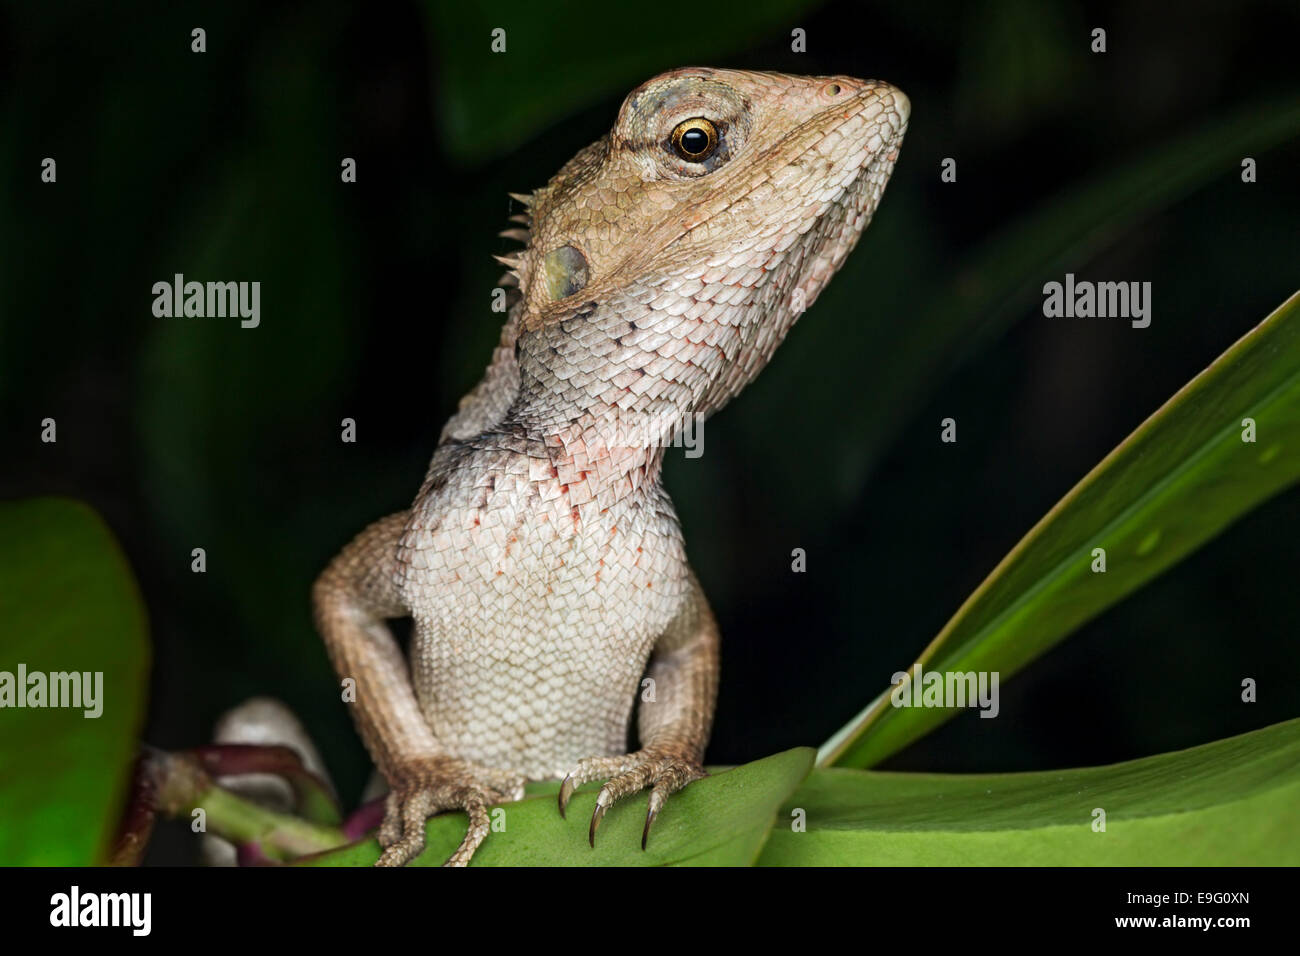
694, 139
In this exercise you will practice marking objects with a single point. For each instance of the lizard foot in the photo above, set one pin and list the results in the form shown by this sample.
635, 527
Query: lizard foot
421, 788
664, 773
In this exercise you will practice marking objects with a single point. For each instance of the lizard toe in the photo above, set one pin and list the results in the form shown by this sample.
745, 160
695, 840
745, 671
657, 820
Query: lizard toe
592, 768
663, 773
424, 788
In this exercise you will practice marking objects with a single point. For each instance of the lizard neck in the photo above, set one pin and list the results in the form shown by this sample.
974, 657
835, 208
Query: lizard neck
618, 452
634, 365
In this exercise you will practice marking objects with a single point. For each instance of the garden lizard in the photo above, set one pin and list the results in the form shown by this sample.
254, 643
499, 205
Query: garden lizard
541, 562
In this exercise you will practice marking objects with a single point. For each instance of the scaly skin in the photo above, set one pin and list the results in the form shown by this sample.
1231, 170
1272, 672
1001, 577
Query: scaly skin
541, 561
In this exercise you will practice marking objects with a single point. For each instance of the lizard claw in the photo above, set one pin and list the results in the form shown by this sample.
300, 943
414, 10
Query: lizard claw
566, 794
657, 798
425, 786
664, 773
596, 816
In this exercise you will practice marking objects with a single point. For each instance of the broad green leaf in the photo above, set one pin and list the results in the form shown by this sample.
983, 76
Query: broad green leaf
563, 55
1231, 802
1184, 475
721, 820
68, 603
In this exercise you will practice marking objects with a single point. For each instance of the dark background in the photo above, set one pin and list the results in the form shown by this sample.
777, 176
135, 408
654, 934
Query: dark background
375, 306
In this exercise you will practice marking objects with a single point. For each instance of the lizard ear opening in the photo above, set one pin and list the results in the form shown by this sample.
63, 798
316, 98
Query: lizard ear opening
566, 271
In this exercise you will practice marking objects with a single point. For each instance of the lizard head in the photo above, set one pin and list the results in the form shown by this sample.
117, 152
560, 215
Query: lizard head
666, 261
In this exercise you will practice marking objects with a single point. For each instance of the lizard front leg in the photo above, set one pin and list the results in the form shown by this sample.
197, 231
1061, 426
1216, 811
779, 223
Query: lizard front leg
351, 600
673, 727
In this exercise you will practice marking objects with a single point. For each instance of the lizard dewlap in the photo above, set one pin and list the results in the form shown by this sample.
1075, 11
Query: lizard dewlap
541, 560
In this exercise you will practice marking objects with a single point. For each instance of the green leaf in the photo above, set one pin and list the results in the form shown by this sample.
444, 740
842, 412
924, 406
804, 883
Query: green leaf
68, 602
1231, 802
721, 820
562, 56
1184, 475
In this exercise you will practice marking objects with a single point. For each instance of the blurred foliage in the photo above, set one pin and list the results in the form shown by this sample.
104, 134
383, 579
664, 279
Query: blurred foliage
225, 165
68, 606
1004, 82
562, 56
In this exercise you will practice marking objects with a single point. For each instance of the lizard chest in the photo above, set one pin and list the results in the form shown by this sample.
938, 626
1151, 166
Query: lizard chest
536, 611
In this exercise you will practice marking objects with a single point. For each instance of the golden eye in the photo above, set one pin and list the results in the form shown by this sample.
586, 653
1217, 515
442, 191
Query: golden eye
695, 139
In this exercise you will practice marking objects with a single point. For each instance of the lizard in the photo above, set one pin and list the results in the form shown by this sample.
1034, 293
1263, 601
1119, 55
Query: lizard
541, 562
